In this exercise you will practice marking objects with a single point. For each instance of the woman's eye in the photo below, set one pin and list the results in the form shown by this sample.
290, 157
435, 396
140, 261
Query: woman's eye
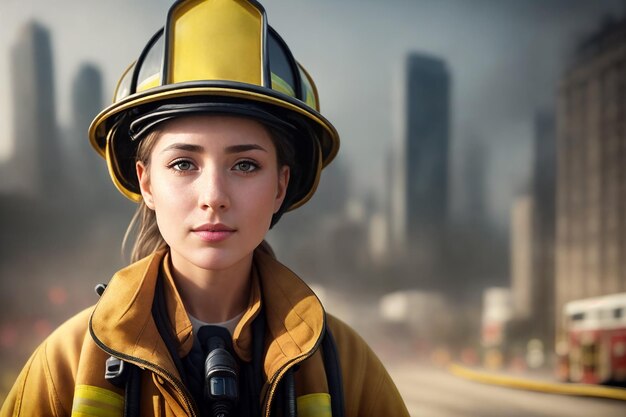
245, 166
182, 165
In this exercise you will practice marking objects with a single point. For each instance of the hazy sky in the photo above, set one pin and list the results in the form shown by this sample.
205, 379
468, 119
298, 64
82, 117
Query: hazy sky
504, 57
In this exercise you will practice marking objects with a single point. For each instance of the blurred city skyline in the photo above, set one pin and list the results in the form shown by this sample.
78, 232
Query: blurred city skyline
356, 52
478, 190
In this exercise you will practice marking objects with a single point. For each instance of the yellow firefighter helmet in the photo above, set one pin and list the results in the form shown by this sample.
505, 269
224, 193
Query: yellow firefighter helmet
216, 56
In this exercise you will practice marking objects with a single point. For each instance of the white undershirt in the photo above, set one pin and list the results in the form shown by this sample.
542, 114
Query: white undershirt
228, 324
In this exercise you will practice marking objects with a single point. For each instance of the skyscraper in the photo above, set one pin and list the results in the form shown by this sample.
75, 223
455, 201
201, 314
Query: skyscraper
37, 155
417, 167
543, 191
474, 188
591, 174
87, 101
426, 149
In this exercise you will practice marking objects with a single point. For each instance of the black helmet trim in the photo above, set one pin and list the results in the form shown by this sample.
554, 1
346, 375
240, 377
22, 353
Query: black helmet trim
283, 52
139, 63
149, 120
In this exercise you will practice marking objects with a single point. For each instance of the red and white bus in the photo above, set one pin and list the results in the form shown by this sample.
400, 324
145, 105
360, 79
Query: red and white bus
596, 340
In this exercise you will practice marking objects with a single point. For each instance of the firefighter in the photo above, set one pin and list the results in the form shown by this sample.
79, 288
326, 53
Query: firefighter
215, 132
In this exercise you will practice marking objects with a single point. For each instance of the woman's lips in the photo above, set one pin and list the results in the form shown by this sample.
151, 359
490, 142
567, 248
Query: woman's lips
213, 233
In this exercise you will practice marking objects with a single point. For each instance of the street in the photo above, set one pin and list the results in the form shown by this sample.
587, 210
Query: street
432, 392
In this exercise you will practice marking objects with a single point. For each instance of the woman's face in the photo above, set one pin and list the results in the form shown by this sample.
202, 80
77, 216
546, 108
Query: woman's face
214, 185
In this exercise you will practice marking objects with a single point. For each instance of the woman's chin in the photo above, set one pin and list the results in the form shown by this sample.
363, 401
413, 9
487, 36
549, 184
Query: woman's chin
213, 259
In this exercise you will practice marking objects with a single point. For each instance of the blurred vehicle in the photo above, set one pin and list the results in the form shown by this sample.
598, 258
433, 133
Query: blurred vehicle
595, 347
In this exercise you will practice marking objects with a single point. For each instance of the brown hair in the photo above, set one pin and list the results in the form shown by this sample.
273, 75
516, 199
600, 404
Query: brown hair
148, 237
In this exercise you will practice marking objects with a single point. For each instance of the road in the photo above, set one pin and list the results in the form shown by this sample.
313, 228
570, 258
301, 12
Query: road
432, 392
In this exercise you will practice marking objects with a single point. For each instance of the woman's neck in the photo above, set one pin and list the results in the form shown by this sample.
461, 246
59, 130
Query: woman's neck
212, 296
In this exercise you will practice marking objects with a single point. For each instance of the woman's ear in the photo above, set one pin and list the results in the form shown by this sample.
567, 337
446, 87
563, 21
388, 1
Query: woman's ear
283, 183
144, 184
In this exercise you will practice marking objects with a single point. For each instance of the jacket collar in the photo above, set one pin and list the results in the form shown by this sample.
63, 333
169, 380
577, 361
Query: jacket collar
122, 321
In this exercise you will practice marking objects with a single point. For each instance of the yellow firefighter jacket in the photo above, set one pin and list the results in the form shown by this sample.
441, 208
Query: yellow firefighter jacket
65, 375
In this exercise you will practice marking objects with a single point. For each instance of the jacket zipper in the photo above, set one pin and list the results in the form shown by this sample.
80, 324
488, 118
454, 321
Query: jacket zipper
179, 387
285, 368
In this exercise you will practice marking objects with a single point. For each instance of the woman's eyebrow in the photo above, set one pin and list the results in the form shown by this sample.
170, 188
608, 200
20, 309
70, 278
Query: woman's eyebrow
198, 148
244, 148
184, 147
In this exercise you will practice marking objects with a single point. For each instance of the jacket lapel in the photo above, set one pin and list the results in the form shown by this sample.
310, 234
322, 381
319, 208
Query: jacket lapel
122, 320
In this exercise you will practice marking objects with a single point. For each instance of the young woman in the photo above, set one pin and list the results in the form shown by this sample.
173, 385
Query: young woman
215, 132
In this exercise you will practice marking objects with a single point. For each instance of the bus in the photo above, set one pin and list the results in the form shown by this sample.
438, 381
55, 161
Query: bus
595, 350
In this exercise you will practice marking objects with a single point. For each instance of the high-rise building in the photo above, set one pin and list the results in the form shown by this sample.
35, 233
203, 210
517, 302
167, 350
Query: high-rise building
36, 158
522, 283
87, 101
543, 228
476, 255
427, 137
591, 174
476, 159
419, 172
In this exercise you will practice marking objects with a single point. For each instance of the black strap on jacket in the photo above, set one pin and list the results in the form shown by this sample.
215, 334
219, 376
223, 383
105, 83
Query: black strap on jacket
332, 368
290, 404
132, 392
162, 321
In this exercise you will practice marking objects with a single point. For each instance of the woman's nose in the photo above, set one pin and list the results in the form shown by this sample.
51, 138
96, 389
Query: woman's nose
213, 190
